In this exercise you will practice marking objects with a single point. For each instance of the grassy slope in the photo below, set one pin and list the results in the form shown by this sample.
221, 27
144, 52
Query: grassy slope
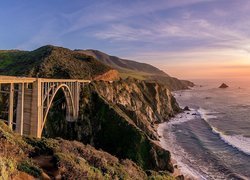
57, 62
25, 158
141, 71
50, 61
123, 64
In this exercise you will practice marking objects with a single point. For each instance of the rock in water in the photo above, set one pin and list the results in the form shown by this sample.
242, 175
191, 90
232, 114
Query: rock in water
186, 108
223, 85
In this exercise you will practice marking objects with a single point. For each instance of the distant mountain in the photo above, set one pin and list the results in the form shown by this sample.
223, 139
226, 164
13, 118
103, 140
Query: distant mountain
54, 62
58, 62
123, 65
143, 71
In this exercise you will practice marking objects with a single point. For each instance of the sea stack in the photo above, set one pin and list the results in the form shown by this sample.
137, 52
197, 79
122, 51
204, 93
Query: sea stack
223, 85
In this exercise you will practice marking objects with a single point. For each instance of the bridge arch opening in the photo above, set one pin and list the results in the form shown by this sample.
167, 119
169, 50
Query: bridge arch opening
59, 113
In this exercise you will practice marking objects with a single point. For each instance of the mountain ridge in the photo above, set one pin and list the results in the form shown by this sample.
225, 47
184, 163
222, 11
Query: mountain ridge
52, 62
123, 64
138, 70
58, 62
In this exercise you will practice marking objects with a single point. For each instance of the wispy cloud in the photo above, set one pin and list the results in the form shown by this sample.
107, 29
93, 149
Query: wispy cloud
192, 30
173, 32
111, 11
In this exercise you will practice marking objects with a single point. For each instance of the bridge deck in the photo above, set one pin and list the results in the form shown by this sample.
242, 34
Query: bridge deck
13, 79
34, 102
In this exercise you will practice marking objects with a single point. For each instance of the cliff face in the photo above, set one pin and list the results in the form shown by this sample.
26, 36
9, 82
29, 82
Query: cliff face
119, 118
146, 103
111, 75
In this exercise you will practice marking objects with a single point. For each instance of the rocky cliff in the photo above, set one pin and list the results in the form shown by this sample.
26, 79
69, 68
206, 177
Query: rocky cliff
146, 103
119, 117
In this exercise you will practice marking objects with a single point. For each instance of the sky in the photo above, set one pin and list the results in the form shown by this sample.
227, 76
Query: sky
188, 39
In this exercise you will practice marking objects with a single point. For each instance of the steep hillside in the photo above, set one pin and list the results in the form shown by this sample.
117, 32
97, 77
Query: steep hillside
52, 62
120, 118
26, 158
142, 71
123, 64
57, 62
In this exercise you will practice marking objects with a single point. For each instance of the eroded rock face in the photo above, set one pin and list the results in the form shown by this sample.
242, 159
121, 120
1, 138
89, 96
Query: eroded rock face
115, 132
119, 117
111, 75
146, 103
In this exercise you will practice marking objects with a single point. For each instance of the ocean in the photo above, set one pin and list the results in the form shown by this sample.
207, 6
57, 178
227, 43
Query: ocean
212, 140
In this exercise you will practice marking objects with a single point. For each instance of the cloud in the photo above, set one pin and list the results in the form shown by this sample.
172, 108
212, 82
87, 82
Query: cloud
112, 11
193, 29
162, 32
120, 32
182, 31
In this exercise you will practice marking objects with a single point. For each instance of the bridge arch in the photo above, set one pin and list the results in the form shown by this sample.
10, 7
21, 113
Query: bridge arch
70, 109
34, 97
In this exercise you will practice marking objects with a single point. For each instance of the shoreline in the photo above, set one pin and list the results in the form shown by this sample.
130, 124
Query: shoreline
177, 172
179, 169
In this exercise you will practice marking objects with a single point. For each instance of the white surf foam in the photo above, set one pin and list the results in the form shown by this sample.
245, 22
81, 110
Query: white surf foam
206, 115
168, 142
237, 141
183, 117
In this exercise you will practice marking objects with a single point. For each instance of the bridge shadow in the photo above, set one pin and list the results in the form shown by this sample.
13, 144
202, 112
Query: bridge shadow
56, 124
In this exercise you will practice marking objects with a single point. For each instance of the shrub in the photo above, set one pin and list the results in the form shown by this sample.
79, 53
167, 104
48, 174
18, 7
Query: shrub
28, 167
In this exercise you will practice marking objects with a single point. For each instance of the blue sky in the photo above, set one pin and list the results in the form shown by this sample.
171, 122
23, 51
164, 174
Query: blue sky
202, 35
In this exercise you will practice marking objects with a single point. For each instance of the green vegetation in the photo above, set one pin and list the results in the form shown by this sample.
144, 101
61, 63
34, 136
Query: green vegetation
69, 160
119, 136
117, 117
108, 121
7, 167
123, 64
50, 62
58, 62
12, 150
133, 74
141, 71
28, 167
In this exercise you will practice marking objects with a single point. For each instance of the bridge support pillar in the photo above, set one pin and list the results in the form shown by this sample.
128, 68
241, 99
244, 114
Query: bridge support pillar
11, 106
76, 99
20, 108
36, 110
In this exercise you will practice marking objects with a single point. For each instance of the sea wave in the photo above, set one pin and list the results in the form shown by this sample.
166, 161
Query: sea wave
237, 141
183, 117
185, 161
178, 154
206, 115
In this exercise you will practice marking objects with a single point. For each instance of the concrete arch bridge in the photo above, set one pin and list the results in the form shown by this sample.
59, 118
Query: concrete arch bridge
34, 99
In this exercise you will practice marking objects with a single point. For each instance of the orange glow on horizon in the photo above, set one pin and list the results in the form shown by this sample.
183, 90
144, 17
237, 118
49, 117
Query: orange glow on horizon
209, 71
